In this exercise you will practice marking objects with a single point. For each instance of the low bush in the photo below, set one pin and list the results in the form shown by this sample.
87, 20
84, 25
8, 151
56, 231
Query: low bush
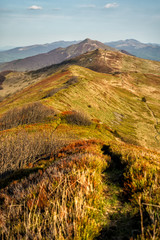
144, 99
78, 118
28, 114
17, 151
141, 181
65, 201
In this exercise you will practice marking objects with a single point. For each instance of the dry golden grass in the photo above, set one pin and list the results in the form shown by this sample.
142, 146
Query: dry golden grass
19, 149
141, 185
65, 201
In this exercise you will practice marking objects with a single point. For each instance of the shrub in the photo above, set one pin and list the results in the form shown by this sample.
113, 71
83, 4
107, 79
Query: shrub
52, 92
3, 78
78, 118
17, 151
144, 99
72, 81
28, 114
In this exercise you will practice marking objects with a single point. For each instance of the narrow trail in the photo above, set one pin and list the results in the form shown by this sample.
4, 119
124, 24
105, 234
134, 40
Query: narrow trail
58, 124
155, 120
122, 223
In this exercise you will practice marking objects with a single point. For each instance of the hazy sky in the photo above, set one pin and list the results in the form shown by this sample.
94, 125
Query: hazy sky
26, 22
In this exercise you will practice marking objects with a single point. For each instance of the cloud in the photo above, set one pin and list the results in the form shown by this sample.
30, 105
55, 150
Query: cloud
56, 9
111, 5
34, 7
87, 6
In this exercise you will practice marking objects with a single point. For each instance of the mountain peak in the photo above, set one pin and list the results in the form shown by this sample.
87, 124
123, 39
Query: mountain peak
132, 40
87, 40
55, 56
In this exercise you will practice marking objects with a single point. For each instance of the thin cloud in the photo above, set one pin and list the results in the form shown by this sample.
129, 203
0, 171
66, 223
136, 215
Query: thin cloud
56, 9
111, 5
35, 7
87, 6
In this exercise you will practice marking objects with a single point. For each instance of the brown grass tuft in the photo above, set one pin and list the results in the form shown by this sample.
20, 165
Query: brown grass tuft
22, 149
28, 114
78, 118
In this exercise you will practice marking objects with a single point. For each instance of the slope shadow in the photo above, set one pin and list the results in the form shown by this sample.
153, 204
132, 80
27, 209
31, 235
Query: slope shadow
123, 225
17, 175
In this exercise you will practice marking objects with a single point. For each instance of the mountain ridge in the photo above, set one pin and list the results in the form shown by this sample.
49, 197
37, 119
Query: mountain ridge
98, 60
32, 50
143, 50
53, 57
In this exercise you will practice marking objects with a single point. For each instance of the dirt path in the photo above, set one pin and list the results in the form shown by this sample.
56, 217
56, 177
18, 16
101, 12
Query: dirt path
122, 222
58, 124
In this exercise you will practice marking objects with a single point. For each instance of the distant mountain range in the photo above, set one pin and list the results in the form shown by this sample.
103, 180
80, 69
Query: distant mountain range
59, 54
28, 51
147, 51
134, 47
55, 56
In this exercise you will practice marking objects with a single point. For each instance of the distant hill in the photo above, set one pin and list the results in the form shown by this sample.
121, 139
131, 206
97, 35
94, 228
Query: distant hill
99, 60
142, 50
53, 57
131, 46
28, 51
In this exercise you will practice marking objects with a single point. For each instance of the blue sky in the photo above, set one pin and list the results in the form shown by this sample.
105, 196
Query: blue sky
26, 22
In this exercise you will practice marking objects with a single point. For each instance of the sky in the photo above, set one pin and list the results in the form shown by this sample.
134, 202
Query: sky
28, 22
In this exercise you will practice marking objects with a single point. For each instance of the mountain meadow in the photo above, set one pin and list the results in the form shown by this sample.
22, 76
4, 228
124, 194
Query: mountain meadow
80, 147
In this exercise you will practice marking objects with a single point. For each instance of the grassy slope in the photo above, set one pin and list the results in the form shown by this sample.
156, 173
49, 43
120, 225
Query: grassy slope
66, 196
98, 60
114, 102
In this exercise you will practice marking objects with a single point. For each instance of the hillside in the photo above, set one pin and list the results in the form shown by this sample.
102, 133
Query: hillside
28, 51
97, 60
53, 57
136, 48
80, 150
